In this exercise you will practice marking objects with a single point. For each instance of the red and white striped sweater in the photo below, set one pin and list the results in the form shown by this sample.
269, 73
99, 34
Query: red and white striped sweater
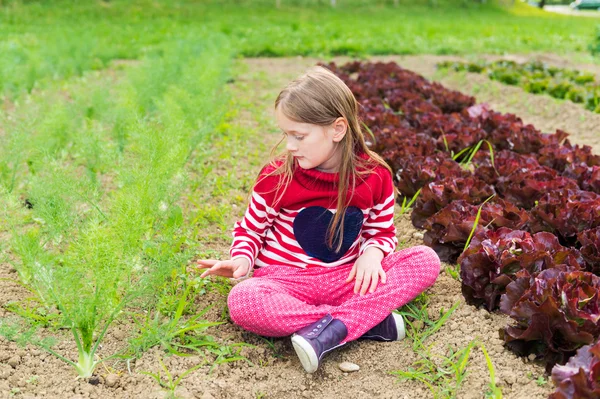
270, 234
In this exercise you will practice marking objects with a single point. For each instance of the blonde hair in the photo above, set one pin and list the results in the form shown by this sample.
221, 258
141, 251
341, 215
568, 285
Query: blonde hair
319, 97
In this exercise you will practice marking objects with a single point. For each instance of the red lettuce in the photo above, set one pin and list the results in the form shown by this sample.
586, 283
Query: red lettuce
559, 156
403, 144
556, 313
590, 248
505, 163
437, 194
398, 85
453, 132
449, 229
580, 377
525, 188
588, 177
566, 213
412, 173
495, 258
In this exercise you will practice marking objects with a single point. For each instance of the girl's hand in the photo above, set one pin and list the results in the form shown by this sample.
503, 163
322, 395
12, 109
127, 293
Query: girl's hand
367, 270
235, 268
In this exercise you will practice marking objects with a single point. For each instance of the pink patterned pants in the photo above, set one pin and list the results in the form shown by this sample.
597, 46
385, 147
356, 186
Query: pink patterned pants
280, 300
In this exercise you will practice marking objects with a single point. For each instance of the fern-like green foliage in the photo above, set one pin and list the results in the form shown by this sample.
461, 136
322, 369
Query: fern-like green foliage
102, 171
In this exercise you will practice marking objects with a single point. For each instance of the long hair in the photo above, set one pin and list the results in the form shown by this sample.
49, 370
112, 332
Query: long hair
319, 97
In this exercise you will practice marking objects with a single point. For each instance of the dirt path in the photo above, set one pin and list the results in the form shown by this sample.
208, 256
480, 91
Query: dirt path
30, 373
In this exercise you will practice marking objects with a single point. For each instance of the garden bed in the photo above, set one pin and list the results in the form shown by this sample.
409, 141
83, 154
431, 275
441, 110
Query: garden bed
30, 372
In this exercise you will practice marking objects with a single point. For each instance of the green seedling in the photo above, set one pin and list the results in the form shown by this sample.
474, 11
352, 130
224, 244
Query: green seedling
453, 271
33, 380
476, 222
443, 375
494, 392
421, 326
169, 383
541, 381
406, 206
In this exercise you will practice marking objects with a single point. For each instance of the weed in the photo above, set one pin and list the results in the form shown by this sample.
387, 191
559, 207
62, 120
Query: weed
453, 271
405, 206
493, 392
33, 380
418, 312
169, 383
476, 222
444, 377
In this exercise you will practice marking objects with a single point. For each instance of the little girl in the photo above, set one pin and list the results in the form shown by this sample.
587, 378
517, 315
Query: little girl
321, 216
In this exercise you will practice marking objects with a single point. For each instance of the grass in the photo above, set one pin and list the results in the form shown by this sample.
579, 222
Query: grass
49, 41
442, 374
170, 383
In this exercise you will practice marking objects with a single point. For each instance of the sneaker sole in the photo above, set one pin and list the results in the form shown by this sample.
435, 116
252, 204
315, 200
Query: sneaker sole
306, 354
400, 326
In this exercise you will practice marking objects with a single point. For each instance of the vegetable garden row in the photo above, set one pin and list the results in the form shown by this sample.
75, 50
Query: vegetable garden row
517, 208
537, 78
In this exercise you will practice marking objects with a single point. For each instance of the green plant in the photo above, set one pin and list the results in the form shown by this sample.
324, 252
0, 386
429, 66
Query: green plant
417, 317
476, 222
453, 271
91, 255
594, 46
169, 383
493, 392
167, 327
443, 376
405, 206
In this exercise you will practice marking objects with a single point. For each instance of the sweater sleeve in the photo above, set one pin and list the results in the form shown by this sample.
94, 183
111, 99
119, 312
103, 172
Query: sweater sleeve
379, 229
250, 231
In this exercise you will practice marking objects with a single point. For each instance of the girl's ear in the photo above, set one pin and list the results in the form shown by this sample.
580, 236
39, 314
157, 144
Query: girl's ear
340, 127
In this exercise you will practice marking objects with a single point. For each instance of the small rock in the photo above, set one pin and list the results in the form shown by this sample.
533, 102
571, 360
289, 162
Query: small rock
531, 357
418, 235
348, 367
112, 380
14, 361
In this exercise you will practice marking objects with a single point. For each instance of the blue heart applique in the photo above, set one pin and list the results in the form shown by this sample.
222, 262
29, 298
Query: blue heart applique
310, 230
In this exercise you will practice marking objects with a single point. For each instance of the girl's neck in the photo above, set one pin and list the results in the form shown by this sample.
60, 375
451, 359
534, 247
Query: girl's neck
332, 165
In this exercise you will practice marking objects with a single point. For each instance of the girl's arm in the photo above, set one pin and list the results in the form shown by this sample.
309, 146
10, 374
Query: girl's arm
379, 230
249, 233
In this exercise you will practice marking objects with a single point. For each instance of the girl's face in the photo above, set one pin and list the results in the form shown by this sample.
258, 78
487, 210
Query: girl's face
313, 146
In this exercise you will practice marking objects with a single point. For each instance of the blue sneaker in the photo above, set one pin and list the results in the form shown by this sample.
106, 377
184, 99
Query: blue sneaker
390, 329
314, 341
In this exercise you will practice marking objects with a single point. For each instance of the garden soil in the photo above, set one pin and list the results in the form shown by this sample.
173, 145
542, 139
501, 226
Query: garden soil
272, 370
